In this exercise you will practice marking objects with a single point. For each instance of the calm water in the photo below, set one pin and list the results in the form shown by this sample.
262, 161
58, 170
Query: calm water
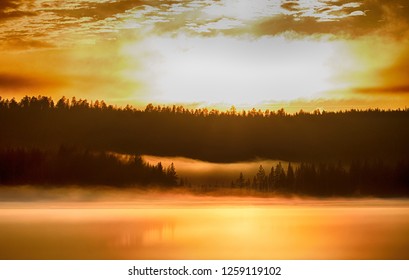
184, 227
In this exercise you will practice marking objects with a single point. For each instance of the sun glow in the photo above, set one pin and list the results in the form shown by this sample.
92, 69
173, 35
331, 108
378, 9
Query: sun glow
222, 70
208, 53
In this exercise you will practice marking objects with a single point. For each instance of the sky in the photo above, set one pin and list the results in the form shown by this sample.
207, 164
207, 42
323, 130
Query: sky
316, 54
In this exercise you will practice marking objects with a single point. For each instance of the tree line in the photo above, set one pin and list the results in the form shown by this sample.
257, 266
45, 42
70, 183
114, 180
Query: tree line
360, 178
75, 166
209, 135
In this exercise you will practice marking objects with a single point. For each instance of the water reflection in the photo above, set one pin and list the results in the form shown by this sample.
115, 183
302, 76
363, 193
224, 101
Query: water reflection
232, 228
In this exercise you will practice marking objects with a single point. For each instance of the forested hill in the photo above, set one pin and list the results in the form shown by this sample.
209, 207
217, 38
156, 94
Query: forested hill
72, 166
40, 122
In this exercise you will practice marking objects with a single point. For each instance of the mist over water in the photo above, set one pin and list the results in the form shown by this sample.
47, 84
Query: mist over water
163, 222
71, 223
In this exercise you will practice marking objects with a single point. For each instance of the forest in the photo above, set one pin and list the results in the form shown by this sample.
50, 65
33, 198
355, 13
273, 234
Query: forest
73, 141
73, 166
203, 134
367, 178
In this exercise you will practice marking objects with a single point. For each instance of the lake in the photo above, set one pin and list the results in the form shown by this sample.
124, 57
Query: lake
180, 226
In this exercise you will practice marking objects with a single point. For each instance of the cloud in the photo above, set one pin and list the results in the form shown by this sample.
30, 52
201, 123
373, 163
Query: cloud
404, 89
17, 43
371, 65
15, 81
88, 21
339, 18
11, 9
393, 79
68, 23
292, 6
8, 6
306, 26
99, 10
92, 72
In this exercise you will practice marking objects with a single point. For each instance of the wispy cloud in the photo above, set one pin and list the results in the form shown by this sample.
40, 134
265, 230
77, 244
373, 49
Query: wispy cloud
10, 9
10, 81
382, 90
58, 22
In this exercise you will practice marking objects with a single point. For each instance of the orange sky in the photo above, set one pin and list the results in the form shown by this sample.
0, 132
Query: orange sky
328, 54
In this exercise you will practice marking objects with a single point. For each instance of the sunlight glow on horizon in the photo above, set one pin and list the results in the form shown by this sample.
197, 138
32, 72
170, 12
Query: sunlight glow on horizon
208, 53
235, 71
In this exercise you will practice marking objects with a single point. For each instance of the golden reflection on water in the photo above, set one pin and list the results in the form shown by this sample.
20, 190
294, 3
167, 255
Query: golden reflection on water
206, 229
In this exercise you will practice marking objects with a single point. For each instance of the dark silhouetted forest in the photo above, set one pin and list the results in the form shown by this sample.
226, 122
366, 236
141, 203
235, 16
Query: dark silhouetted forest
72, 166
203, 134
360, 178
36, 131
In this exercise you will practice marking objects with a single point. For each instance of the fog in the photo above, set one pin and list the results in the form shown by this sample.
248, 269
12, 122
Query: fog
157, 196
202, 172
103, 223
